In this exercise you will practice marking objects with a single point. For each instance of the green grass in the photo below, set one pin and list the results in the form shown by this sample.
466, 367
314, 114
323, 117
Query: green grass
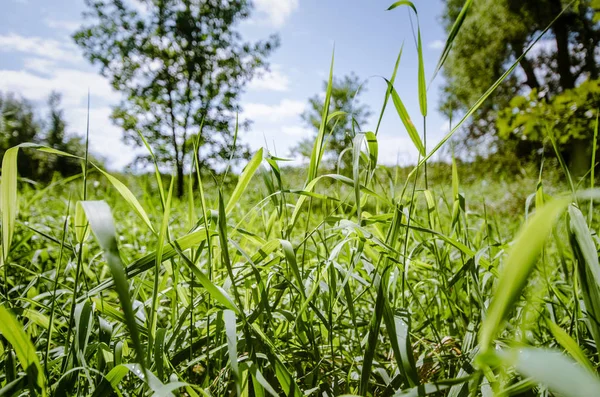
442, 279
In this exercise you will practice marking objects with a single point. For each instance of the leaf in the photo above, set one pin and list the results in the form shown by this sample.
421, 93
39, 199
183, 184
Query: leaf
405, 118
452, 35
518, 266
552, 369
565, 340
8, 199
147, 261
128, 197
101, 222
14, 333
588, 269
230, 331
244, 180
317, 152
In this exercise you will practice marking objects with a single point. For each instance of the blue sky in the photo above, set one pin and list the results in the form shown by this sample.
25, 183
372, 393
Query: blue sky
38, 56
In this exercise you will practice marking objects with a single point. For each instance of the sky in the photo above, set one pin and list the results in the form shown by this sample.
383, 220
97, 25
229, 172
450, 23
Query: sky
37, 56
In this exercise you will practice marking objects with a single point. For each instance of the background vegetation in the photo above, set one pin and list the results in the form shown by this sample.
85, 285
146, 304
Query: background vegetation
462, 279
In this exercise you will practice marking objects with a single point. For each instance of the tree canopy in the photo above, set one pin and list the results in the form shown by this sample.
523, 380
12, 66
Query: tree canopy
181, 67
494, 34
345, 97
21, 122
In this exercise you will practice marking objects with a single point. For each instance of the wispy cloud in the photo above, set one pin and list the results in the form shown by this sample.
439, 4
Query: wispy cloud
297, 131
72, 83
274, 80
436, 44
285, 109
64, 51
275, 12
62, 24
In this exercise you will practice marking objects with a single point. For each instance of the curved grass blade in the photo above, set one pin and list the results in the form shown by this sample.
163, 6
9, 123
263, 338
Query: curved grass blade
147, 261
405, 118
101, 222
317, 152
518, 266
129, 198
14, 333
565, 340
554, 370
244, 180
451, 36
230, 331
588, 269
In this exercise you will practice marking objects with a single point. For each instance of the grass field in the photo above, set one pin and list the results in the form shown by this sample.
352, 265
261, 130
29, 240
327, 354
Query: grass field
274, 289
442, 279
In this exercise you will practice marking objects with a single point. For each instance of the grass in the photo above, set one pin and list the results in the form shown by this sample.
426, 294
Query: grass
433, 280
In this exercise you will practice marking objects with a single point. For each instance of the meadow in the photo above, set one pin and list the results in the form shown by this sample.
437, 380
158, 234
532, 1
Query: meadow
439, 279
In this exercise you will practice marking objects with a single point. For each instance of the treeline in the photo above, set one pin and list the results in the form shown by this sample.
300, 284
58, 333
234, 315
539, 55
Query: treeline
21, 121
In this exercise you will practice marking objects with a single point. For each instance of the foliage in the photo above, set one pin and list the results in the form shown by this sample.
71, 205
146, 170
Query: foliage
20, 122
181, 67
345, 97
495, 33
571, 115
371, 286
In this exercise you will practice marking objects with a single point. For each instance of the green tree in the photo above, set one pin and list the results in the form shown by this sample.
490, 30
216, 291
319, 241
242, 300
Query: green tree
57, 138
181, 67
19, 124
345, 93
491, 38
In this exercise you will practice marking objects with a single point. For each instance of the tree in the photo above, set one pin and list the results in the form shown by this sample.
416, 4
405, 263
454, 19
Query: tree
57, 138
494, 34
339, 133
18, 124
181, 67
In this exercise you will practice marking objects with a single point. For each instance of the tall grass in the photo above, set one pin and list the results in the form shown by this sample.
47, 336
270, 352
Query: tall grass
377, 285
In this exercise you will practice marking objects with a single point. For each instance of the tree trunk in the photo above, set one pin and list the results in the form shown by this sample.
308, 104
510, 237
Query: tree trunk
563, 58
180, 180
579, 157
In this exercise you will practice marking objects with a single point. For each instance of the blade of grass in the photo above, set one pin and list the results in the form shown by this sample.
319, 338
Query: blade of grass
101, 222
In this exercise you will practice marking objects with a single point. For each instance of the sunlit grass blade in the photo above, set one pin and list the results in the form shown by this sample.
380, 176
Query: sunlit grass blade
588, 269
554, 370
230, 331
518, 266
317, 151
565, 340
387, 91
14, 333
129, 198
405, 118
101, 222
8, 199
452, 36
147, 261
244, 180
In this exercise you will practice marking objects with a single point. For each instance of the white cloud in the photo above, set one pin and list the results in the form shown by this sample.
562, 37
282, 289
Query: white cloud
72, 83
62, 24
105, 138
64, 51
276, 12
394, 150
274, 80
297, 131
39, 65
261, 112
436, 45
